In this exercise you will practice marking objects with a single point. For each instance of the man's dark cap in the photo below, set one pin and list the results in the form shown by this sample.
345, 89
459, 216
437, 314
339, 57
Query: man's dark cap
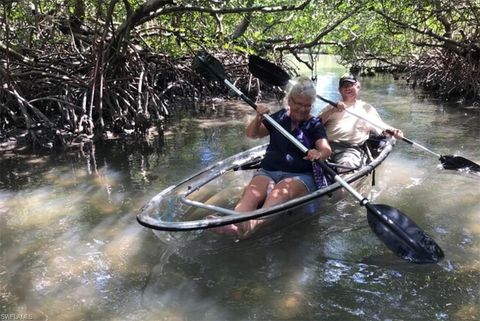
347, 78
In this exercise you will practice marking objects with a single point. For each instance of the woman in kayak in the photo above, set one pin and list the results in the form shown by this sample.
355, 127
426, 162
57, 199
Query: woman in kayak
285, 172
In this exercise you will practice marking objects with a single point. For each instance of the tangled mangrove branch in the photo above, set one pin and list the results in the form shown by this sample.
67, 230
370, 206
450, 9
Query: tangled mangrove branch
446, 73
59, 94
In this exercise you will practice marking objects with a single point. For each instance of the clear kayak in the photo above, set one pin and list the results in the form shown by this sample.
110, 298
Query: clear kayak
189, 204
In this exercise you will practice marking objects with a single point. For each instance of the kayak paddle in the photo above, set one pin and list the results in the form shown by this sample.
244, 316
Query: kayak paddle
398, 232
276, 76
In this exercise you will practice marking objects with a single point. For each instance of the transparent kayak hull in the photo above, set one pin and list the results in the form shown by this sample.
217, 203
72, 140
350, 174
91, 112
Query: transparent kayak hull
187, 205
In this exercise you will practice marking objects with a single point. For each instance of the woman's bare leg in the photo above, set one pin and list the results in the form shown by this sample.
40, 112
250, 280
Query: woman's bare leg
253, 195
283, 191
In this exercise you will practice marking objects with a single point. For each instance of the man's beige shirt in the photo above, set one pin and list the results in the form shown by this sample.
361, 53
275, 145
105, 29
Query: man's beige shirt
346, 128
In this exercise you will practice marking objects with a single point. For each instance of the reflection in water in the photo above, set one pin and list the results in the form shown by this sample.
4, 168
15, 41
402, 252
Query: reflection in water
72, 250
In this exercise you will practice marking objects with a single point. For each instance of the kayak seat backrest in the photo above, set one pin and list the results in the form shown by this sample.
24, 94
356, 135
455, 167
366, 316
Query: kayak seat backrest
376, 143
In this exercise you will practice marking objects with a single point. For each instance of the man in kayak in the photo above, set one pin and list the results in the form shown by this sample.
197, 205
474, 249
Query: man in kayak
285, 172
348, 133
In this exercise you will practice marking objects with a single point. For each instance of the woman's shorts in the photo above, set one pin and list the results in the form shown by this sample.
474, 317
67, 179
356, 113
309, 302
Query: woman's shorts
277, 176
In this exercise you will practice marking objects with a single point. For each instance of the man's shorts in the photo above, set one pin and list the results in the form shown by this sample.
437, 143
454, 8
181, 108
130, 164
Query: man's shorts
351, 157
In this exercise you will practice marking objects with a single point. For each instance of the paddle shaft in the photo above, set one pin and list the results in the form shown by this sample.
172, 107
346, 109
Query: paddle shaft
363, 200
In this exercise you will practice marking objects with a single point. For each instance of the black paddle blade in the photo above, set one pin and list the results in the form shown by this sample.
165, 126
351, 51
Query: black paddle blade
208, 66
458, 162
402, 236
267, 71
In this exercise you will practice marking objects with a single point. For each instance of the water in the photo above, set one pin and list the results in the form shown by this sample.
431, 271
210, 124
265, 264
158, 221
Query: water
71, 248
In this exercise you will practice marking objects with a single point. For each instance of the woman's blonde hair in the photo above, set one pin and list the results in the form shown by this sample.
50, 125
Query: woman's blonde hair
302, 86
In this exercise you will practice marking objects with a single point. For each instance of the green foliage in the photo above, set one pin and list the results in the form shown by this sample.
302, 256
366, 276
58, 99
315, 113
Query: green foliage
361, 32
364, 34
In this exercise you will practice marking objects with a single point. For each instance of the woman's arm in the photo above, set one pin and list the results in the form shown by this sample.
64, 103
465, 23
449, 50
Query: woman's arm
321, 151
256, 128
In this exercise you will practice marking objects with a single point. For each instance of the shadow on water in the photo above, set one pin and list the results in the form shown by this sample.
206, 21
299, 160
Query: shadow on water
72, 250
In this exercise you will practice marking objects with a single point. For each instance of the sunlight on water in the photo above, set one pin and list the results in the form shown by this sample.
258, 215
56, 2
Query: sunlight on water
36, 209
122, 249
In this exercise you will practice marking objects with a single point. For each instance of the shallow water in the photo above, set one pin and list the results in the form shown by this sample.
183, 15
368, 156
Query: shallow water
71, 248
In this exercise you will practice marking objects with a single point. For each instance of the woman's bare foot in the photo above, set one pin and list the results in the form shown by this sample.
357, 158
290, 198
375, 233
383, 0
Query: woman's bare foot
230, 229
240, 230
